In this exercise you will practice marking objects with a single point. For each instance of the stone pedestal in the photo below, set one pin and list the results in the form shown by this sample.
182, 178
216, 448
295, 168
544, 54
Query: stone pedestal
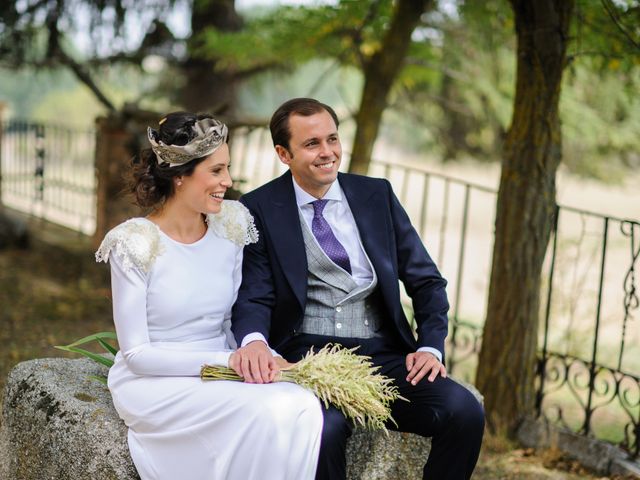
58, 423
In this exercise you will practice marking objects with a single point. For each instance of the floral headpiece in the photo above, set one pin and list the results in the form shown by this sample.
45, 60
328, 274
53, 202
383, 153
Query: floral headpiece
210, 134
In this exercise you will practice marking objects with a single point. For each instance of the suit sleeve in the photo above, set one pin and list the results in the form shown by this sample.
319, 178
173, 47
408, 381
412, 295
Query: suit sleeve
256, 297
421, 279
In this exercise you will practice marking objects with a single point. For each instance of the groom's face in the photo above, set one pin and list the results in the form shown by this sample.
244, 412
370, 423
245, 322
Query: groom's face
314, 152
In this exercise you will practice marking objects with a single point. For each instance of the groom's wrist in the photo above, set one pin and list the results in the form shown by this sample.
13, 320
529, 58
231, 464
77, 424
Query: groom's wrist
433, 351
252, 337
258, 337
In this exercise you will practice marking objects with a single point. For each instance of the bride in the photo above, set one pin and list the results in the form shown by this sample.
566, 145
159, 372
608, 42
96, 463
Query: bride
174, 278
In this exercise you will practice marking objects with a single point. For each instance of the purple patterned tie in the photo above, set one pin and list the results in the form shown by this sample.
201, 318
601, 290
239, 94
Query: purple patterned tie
327, 240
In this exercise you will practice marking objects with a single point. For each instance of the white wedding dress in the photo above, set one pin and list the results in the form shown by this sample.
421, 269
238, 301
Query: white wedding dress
171, 308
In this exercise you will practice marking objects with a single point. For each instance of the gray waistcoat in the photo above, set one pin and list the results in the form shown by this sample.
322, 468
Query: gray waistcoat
336, 305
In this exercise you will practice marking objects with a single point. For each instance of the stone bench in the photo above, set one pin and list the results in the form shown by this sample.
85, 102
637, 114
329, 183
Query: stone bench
58, 424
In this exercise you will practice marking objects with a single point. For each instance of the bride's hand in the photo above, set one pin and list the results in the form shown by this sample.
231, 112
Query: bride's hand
234, 363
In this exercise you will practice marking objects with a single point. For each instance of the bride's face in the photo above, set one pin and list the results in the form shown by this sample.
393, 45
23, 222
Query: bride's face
204, 189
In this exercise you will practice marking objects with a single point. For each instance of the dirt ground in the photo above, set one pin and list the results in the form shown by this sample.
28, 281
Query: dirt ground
51, 295
48, 296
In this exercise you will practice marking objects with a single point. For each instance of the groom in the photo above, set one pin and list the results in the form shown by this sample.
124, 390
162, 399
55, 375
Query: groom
326, 268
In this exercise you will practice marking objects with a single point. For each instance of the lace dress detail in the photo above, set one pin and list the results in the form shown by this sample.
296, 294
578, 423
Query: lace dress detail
234, 222
136, 242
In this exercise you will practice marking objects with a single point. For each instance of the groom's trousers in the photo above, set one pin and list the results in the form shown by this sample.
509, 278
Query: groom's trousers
443, 410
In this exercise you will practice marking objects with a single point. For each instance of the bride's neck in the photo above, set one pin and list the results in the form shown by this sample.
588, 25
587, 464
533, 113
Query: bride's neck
180, 223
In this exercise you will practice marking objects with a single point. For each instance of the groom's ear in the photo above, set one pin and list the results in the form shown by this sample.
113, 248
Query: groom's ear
283, 154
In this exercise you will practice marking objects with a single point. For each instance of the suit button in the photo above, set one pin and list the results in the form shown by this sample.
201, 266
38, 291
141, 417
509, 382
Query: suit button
338, 325
366, 322
338, 309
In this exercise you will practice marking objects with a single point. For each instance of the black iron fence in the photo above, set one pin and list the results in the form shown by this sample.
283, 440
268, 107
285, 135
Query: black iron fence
590, 341
48, 171
588, 377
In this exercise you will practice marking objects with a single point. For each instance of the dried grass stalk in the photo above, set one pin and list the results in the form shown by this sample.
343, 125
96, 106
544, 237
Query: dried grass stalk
336, 376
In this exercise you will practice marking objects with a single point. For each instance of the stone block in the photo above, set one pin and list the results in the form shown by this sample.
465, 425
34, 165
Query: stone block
60, 424
598, 455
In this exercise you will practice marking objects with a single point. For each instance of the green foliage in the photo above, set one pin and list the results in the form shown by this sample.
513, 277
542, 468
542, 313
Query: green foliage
606, 32
100, 338
453, 98
601, 122
459, 86
348, 31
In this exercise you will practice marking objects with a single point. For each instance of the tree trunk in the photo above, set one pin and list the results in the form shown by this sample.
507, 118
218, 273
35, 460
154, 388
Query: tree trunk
2, 108
455, 123
380, 72
119, 138
524, 214
205, 89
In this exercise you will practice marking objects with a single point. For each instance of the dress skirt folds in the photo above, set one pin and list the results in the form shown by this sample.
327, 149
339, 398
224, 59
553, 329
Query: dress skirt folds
186, 429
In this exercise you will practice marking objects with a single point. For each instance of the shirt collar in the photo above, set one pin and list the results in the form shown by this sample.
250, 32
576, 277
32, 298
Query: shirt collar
304, 198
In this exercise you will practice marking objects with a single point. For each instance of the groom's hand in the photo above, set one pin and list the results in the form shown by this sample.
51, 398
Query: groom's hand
257, 364
420, 364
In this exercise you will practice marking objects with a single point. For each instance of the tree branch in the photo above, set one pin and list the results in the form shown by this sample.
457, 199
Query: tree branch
254, 70
84, 76
611, 11
321, 77
55, 50
357, 34
594, 53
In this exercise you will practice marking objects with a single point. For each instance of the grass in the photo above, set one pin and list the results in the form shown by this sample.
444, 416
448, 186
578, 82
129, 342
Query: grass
52, 295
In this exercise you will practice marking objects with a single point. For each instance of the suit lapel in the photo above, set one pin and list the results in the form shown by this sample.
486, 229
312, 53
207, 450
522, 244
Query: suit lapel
368, 211
284, 228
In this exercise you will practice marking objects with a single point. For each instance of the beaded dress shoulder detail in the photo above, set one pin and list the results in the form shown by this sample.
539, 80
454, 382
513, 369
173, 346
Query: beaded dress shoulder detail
234, 222
136, 242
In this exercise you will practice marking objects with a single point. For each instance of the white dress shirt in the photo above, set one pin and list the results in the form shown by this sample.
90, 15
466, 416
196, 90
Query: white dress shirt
339, 217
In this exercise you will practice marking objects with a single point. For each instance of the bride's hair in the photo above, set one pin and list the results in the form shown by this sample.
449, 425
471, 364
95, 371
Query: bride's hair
151, 183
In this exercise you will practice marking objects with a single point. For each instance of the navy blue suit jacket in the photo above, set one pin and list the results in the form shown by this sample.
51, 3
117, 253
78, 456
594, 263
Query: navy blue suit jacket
272, 296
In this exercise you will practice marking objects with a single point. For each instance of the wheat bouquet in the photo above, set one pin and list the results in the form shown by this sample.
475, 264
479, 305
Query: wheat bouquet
336, 376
